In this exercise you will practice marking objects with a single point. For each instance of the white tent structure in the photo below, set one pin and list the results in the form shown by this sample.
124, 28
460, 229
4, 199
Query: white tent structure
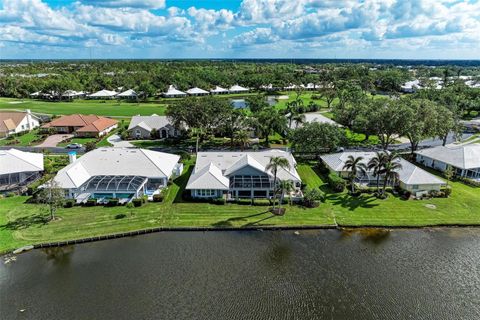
197, 92
36, 94
219, 90
237, 89
173, 92
103, 94
129, 94
71, 94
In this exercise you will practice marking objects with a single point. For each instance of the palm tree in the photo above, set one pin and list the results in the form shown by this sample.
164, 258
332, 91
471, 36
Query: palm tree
285, 186
273, 166
376, 165
390, 169
242, 137
197, 132
355, 166
299, 119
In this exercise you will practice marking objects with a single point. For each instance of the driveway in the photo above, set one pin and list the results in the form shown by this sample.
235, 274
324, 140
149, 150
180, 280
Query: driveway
54, 139
117, 142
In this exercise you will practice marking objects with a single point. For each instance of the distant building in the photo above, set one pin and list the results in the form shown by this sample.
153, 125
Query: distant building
197, 92
121, 173
219, 90
312, 117
16, 122
464, 160
237, 89
173, 92
239, 175
410, 177
83, 125
19, 168
103, 94
141, 127
128, 94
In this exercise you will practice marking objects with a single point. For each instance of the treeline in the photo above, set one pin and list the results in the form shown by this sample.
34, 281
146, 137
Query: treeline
153, 77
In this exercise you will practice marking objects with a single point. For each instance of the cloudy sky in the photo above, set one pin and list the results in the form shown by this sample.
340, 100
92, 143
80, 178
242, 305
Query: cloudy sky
419, 29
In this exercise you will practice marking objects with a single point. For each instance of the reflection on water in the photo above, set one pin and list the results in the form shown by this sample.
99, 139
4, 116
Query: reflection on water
319, 274
59, 255
373, 235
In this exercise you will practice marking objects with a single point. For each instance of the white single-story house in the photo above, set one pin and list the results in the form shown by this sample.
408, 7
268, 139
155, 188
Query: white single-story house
237, 89
464, 160
18, 168
141, 127
173, 92
197, 92
219, 90
128, 94
121, 173
72, 94
410, 177
16, 122
103, 94
411, 86
312, 117
239, 175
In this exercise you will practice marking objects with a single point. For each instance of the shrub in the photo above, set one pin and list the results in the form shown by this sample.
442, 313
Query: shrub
469, 182
113, 202
69, 203
262, 202
158, 197
184, 156
336, 182
218, 201
447, 191
137, 202
89, 146
129, 205
91, 202
406, 195
120, 216
312, 198
244, 202
9, 194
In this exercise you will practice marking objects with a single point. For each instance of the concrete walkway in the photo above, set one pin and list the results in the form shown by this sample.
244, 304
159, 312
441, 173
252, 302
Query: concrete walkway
117, 142
54, 139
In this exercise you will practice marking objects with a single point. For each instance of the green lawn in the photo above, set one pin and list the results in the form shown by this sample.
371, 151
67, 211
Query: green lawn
22, 223
102, 108
26, 139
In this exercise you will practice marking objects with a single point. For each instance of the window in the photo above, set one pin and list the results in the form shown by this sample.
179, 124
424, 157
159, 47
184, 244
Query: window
206, 193
415, 186
137, 133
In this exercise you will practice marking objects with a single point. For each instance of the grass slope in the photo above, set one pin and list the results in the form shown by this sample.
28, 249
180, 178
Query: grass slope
22, 223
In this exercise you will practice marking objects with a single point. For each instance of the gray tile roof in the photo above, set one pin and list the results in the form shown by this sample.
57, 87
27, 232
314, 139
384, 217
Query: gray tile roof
149, 122
464, 157
409, 173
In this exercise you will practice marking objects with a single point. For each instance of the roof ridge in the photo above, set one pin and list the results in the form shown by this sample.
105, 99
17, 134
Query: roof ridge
16, 156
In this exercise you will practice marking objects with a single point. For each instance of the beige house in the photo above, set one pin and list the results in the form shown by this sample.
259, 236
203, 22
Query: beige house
410, 177
82, 125
16, 122
141, 127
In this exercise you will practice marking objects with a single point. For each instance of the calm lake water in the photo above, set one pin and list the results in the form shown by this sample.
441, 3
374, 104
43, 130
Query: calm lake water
326, 274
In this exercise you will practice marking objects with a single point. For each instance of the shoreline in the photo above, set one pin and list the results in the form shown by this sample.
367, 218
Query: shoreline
230, 229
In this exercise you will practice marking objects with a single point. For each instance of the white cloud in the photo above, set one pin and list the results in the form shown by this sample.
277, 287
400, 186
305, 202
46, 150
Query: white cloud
145, 4
254, 37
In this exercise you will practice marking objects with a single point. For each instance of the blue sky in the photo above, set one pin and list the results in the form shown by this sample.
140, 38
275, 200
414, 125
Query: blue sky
405, 29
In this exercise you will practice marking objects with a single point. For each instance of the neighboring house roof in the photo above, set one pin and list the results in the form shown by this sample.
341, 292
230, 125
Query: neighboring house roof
408, 174
172, 91
209, 177
72, 93
103, 93
218, 90
209, 165
11, 120
98, 125
128, 93
314, 117
237, 88
13, 161
197, 90
117, 162
463, 157
90, 123
149, 122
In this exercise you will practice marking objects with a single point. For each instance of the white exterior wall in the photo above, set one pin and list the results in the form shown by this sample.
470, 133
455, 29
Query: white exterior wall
420, 188
197, 194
